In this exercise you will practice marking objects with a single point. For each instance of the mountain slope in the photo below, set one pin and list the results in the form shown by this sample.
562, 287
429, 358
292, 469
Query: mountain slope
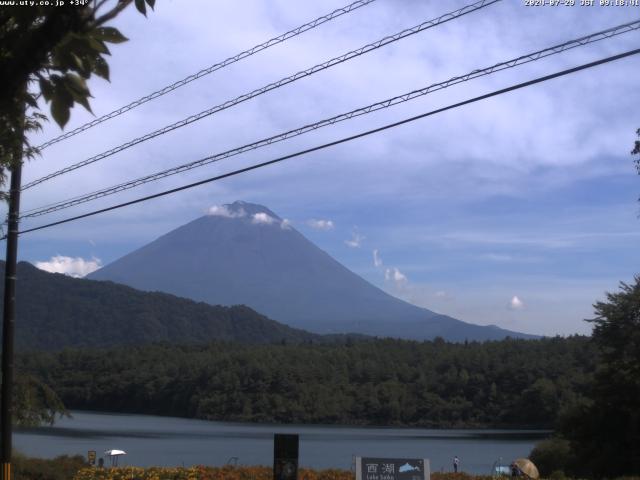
245, 254
56, 311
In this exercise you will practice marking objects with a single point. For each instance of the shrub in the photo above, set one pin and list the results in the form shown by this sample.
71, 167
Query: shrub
203, 473
230, 473
59, 468
553, 457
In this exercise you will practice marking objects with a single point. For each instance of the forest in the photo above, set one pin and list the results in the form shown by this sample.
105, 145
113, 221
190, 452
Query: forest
509, 383
103, 314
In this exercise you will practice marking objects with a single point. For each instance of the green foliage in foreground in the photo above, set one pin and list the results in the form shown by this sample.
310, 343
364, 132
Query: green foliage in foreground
48, 52
60, 468
605, 433
383, 382
553, 457
600, 438
34, 402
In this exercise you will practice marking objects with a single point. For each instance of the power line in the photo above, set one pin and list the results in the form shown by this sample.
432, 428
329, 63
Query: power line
585, 40
272, 86
225, 63
342, 140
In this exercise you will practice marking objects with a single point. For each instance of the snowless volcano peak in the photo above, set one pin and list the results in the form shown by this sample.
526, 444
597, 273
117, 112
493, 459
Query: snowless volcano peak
239, 209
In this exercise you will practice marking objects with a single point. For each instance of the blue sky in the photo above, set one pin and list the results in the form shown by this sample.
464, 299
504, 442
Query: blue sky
519, 211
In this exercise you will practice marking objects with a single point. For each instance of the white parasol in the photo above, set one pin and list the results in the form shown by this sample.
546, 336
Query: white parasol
114, 455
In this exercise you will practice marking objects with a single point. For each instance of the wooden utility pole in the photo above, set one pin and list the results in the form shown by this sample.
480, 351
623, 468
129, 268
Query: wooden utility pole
9, 314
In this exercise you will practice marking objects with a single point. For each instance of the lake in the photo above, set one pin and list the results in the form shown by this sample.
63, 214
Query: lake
168, 441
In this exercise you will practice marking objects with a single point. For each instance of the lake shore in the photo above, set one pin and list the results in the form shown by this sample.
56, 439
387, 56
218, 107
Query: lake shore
170, 441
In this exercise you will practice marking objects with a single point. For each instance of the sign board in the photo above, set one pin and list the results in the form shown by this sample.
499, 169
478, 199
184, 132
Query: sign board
285, 456
91, 457
369, 468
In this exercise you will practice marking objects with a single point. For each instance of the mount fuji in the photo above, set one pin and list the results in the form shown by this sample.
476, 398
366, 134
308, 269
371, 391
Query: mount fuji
243, 253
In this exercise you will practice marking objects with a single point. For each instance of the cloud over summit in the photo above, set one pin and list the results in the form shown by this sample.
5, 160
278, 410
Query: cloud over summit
262, 218
225, 211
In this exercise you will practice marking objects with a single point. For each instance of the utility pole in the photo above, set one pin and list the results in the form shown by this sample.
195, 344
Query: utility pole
9, 313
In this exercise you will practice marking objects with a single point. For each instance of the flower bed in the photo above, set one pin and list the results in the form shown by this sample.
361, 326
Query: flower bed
227, 473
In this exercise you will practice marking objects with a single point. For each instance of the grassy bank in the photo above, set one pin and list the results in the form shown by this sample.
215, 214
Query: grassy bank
76, 468
60, 468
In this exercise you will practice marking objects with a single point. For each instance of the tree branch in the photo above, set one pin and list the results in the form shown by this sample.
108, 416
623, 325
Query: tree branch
122, 4
99, 5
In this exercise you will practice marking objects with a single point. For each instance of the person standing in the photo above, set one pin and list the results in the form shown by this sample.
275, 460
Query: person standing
456, 463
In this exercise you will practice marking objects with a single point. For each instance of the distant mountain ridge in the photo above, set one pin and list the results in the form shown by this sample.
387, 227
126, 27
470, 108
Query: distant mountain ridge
243, 253
56, 311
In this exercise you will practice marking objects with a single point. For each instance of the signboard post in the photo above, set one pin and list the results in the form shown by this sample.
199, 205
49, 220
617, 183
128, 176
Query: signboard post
285, 456
370, 468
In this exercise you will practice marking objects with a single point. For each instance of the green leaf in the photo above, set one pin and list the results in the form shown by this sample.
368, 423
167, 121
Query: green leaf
151, 3
101, 68
81, 63
76, 84
46, 87
108, 34
77, 61
61, 91
82, 100
58, 58
60, 111
141, 7
78, 90
97, 45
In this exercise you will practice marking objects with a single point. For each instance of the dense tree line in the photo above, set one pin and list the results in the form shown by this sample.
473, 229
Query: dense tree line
599, 437
58, 311
383, 382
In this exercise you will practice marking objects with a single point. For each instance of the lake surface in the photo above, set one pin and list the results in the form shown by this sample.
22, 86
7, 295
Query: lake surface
168, 441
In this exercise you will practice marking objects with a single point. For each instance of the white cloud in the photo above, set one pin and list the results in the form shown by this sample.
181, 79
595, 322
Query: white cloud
285, 224
392, 275
355, 241
320, 224
396, 276
516, 303
73, 266
262, 219
377, 261
441, 294
223, 211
